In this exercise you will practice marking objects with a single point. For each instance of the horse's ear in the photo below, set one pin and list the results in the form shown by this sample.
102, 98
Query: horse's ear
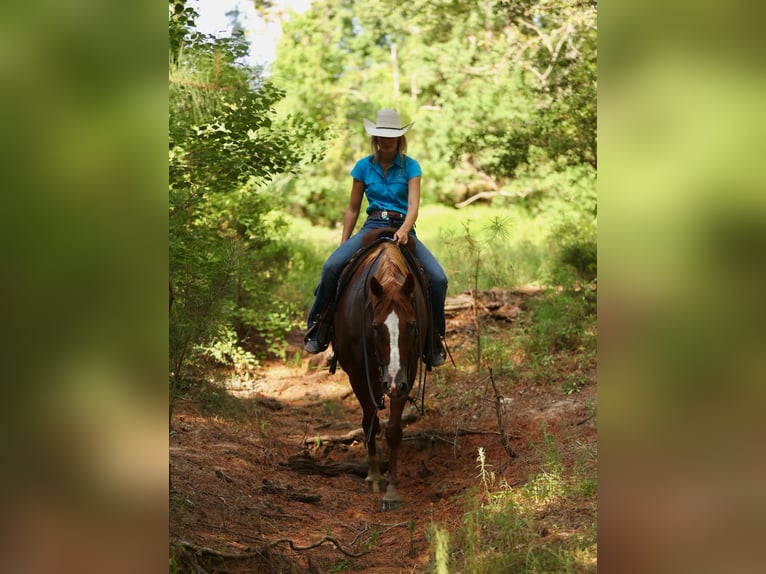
377, 288
409, 285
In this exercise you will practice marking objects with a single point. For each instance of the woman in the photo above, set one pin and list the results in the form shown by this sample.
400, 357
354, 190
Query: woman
391, 181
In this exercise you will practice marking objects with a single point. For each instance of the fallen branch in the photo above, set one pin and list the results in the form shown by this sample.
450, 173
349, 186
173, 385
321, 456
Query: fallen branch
351, 436
307, 464
220, 474
459, 302
486, 194
586, 419
444, 435
288, 493
498, 410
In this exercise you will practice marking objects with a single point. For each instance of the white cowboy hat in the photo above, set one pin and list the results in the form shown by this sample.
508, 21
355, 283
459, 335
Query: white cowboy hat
389, 125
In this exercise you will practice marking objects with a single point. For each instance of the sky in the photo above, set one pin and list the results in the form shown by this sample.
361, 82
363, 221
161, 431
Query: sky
263, 36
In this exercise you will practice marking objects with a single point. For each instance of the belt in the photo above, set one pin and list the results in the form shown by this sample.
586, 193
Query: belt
387, 215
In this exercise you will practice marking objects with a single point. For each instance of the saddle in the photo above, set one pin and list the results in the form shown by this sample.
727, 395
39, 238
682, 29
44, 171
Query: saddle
370, 240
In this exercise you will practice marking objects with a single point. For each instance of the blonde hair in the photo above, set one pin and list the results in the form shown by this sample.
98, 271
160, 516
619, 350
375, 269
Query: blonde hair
401, 147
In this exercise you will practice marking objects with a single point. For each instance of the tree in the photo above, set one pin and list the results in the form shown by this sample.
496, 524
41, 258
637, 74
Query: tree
225, 146
497, 88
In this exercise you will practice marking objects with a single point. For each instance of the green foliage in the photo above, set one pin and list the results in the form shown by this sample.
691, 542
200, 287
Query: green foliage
479, 246
503, 95
562, 320
476, 247
440, 548
496, 351
331, 409
503, 99
215, 401
372, 540
224, 350
487, 476
226, 149
572, 211
309, 247
501, 526
573, 383
508, 246
489, 83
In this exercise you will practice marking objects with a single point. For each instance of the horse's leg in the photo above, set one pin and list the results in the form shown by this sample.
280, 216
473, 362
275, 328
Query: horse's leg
370, 425
392, 500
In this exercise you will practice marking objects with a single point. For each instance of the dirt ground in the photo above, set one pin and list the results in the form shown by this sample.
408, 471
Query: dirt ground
241, 501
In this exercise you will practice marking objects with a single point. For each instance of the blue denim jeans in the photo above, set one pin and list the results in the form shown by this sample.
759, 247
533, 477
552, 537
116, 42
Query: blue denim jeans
325, 291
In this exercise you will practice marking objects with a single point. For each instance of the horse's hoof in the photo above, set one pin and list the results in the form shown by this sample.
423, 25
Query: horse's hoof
390, 505
377, 485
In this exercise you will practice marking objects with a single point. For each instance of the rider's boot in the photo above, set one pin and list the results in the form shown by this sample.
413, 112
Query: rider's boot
317, 337
438, 354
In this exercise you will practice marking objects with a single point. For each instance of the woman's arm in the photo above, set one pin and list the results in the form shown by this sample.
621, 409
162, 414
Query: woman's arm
413, 205
352, 211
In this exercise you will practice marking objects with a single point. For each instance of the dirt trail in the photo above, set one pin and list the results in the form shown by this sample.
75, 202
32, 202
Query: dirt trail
232, 489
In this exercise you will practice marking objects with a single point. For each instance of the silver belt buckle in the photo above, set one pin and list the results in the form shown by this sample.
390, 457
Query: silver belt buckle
384, 214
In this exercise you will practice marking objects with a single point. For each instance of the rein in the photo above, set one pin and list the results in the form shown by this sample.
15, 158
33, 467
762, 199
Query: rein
365, 351
421, 371
426, 290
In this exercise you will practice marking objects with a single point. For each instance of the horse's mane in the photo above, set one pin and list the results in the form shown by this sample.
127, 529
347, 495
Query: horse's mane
392, 269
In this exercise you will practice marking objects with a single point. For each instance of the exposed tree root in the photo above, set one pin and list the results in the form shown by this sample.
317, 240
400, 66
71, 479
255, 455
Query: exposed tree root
261, 552
351, 436
288, 493
307, 464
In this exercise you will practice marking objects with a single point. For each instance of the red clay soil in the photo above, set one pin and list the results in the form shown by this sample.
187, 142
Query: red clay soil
238, 505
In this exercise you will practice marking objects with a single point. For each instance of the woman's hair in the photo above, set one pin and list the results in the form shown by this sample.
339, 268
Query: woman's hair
401, 147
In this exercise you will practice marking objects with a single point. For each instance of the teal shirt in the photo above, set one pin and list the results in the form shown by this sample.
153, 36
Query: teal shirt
389, 192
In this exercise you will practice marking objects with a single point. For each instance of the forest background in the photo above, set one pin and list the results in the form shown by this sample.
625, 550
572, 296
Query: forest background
503, 96
681, 235
503, 100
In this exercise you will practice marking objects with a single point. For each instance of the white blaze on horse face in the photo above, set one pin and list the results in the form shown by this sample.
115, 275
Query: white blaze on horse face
394, 360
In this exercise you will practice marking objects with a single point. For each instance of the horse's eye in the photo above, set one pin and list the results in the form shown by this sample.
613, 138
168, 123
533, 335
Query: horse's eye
412, 325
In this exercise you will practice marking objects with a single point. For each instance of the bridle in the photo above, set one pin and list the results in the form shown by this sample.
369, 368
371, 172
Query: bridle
367, 319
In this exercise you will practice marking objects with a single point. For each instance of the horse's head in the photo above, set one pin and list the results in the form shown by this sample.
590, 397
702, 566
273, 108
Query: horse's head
395, 330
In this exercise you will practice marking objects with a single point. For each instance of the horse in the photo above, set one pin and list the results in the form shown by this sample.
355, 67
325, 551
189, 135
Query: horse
381, 328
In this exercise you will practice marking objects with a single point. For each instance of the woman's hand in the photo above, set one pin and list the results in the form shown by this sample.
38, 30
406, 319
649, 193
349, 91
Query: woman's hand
401, 236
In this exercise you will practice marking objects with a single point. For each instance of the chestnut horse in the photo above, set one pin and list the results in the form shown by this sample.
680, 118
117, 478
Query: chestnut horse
381, 325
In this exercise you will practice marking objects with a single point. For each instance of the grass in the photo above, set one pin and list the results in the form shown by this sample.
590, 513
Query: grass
309, 248
517, 255
561, 321
511, 246
524, 529
546, 524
